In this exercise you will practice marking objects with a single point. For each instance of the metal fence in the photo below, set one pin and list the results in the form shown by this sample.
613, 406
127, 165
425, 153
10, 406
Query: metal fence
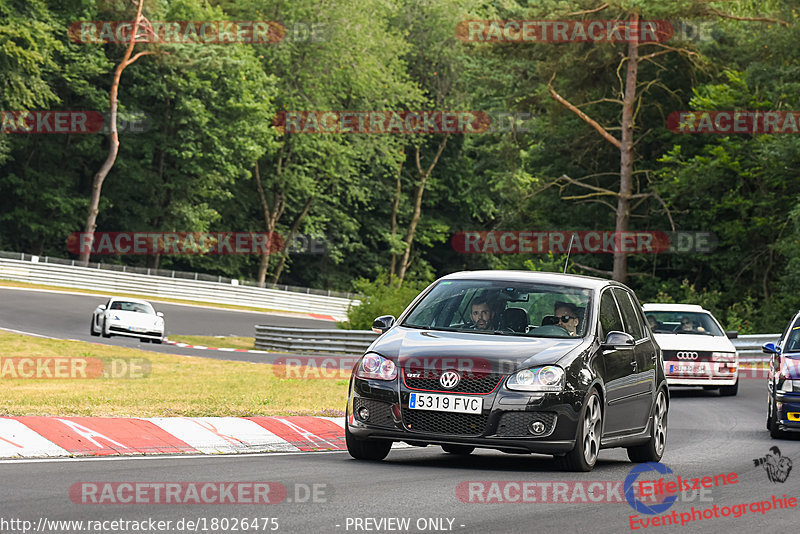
313, 340
749, 346
34, 269
356, 341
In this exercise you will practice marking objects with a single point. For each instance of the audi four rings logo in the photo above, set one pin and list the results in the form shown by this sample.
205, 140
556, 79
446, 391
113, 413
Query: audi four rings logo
449, 379
687, 355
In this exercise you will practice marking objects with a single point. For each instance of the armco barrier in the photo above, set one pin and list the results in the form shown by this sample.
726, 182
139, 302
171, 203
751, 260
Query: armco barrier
749, 346
313, 339
356, 341
114, 282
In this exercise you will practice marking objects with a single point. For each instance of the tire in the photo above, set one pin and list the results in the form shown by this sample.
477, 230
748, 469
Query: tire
91, 329
158, 341
583, 456
103, 330
653, 450
144, 339
366, 449
772, 423
461, 450
729, 391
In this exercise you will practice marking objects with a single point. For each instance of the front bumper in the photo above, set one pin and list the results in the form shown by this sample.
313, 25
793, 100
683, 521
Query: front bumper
502, 424
120, 330
788, 410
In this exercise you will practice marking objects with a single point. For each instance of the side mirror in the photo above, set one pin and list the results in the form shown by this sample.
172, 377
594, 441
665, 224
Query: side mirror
618, 341
732, 334
102, 307
383, 323
770, 348
160, 314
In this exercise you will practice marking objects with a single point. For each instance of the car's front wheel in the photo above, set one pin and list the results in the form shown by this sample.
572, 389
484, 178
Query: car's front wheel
104, 330
366, 449
653, 450
772, 423
462, 450
92, 330
587, 445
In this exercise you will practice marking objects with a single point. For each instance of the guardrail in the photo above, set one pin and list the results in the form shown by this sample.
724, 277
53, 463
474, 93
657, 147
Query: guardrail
749, 346
114, 282
313, 339
357, 341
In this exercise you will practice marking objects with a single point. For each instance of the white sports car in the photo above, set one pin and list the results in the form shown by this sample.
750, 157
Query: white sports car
128, 317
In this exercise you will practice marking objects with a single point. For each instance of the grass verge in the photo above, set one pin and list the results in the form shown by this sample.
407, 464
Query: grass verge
174, 386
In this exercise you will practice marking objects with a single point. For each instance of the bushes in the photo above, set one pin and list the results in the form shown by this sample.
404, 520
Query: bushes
379, 298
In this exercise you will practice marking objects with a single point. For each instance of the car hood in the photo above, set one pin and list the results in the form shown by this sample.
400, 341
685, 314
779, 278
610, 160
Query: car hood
694, 342
134, 318
498, 353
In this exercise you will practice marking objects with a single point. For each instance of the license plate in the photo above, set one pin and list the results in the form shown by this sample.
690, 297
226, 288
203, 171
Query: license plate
688, 369
136, 329
445, 403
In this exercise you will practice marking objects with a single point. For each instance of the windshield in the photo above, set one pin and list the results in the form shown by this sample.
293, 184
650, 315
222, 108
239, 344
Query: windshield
662, 322
503, 308
139, 307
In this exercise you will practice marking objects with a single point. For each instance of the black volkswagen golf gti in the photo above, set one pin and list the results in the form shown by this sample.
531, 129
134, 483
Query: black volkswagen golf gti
522, 362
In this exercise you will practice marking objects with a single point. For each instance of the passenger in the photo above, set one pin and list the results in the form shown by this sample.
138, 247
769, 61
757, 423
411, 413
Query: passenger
567, 317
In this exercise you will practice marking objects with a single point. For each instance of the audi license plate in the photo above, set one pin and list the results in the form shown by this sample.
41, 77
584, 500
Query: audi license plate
688, 369
445, 403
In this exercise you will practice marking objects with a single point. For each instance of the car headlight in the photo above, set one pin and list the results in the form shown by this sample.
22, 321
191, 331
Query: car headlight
375, 366
547, 378
789, 386
723, 356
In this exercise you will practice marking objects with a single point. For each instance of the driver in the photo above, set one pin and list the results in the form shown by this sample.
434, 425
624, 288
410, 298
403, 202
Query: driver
567, 317
688, 325
482, 314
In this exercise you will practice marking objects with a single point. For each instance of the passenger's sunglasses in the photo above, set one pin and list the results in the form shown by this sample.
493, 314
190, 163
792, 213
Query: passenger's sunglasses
566, 318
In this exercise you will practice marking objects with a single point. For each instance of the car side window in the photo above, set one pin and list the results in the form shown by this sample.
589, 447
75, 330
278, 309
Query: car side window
609, 314
632, 324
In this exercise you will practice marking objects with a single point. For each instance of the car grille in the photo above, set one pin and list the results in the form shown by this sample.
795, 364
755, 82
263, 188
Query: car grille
460, 424
702, 355
516, 423
380, 413
475, 383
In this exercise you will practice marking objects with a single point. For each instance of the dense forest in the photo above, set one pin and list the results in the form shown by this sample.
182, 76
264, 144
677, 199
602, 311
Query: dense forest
580, 140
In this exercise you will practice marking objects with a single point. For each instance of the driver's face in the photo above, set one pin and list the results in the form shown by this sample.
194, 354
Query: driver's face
481, 315
687, 324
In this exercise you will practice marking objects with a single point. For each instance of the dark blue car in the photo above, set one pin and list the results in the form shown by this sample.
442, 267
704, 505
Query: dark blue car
783, 412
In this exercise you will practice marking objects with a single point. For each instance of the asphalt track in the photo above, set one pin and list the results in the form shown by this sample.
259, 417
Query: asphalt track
708, 436
67, 316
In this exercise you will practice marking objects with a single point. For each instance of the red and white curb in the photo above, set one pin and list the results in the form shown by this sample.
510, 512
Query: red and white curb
30, 436
203, 347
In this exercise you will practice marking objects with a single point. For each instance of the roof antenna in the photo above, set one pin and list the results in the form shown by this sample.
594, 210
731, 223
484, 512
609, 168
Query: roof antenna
571, 239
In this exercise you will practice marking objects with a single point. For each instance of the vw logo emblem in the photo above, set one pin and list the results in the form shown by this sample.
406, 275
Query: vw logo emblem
687, 355
449, 379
